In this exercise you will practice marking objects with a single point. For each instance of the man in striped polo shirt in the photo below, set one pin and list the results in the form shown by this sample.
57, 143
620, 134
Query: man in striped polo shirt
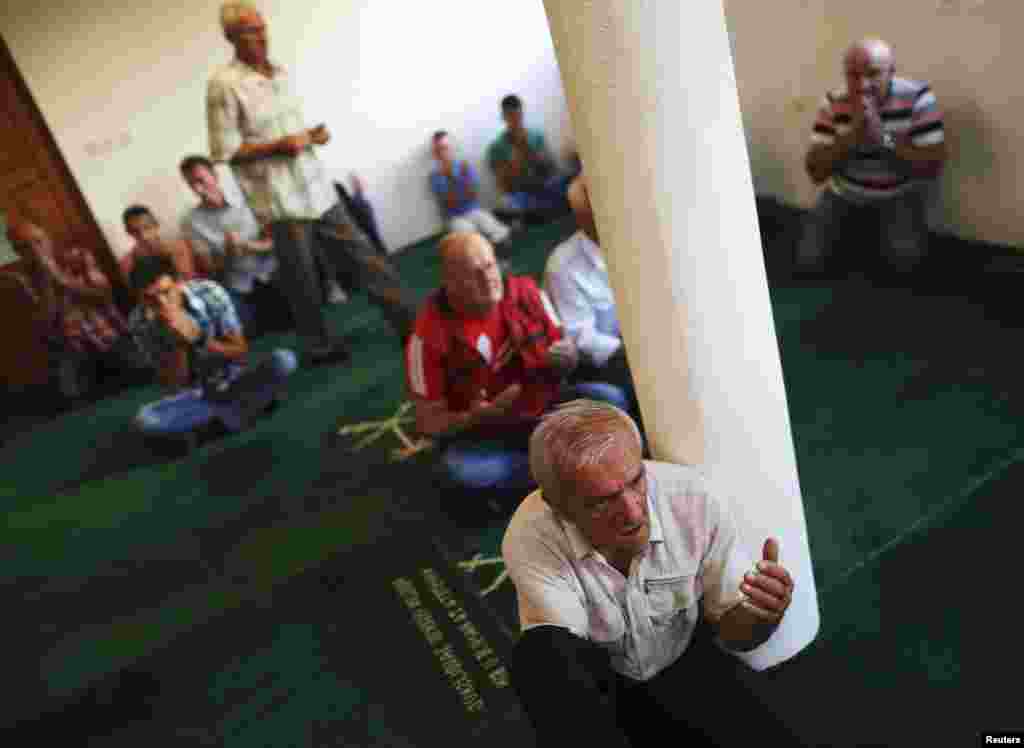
877, 142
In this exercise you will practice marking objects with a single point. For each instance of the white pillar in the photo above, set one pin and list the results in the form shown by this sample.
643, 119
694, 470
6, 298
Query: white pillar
655, 111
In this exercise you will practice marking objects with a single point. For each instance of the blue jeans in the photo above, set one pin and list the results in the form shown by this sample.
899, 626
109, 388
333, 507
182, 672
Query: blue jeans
191, 409
504, 465
243, 307
553, 197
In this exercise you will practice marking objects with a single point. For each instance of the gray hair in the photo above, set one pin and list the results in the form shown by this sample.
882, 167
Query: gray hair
232, 11
571, 436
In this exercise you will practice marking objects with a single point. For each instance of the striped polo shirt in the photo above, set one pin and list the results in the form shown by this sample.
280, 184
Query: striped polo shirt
872, 172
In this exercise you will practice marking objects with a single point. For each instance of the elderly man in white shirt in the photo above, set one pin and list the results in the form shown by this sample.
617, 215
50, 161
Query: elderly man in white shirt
256, 124
576, 281
631, 581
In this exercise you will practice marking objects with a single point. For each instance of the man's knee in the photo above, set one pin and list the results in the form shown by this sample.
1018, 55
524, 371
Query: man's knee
485, 469
606, 392
146, 421
284, 362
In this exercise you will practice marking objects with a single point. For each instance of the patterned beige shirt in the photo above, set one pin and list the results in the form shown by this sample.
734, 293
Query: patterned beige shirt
245, 106
646, 620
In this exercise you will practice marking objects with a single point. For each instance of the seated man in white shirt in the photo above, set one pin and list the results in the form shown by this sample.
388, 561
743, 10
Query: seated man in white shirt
576, 281
631, 580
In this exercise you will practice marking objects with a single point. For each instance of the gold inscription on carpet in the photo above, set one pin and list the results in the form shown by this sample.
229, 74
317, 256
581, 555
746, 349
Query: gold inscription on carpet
451, 665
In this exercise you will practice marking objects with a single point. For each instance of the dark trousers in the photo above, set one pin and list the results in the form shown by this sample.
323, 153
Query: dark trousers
566, 686
334, 247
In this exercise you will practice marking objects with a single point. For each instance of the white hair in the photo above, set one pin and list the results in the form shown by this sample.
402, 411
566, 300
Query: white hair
574, 435
232, 11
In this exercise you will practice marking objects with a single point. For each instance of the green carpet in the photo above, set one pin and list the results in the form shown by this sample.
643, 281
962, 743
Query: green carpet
251, 584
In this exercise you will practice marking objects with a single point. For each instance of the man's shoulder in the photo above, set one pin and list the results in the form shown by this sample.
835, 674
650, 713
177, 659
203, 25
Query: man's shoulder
562, 256
533, 520
428, 325
521, 287
498, 148
908, 88
674, 479
227, 74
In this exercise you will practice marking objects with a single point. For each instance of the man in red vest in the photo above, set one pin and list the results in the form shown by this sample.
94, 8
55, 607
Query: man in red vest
487, 358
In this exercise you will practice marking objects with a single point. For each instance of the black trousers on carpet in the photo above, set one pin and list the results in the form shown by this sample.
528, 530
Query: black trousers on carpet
567, 687
333, 245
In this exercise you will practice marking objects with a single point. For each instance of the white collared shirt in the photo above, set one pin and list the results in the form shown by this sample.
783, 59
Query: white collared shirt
245, 106
576, 279
645, 620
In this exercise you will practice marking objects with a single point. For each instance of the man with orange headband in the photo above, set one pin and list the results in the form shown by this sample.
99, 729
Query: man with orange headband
876, 143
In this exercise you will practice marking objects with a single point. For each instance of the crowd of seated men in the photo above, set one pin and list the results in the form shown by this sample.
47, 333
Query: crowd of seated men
290, 243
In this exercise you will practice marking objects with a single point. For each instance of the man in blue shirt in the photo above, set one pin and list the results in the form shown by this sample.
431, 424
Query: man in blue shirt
455, 183
190, 333
526, 171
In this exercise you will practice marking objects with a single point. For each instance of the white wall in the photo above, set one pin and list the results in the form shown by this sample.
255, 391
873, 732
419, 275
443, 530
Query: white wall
122, 87
788, 52
384, 74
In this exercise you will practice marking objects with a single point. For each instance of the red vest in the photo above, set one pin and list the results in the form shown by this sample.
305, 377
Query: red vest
530, 332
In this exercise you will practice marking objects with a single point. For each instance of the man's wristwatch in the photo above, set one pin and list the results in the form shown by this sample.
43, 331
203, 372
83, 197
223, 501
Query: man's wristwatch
888, 141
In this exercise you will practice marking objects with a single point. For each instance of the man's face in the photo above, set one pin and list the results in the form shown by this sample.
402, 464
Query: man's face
204, 183
443, 149
144, 229
162, 296
472, 277
249, 36
513, 118
31, 242
868, 72
608, 500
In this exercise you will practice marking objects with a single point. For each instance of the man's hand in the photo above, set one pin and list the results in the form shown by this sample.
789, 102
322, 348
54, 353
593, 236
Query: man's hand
293, 145
485, 409
233, 244
562, 355
180, 325
769, 590
320, 135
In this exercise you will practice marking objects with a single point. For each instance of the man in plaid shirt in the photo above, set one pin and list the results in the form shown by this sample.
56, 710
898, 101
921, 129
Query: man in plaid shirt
190, 333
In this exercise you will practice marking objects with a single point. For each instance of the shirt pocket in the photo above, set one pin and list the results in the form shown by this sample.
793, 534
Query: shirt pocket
669, 596
607, 629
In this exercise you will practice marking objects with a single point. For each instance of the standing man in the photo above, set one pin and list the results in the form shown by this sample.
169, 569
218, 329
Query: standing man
876, 143
256, 124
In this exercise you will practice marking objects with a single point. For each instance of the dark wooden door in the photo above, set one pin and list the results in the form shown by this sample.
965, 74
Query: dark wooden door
35, 184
